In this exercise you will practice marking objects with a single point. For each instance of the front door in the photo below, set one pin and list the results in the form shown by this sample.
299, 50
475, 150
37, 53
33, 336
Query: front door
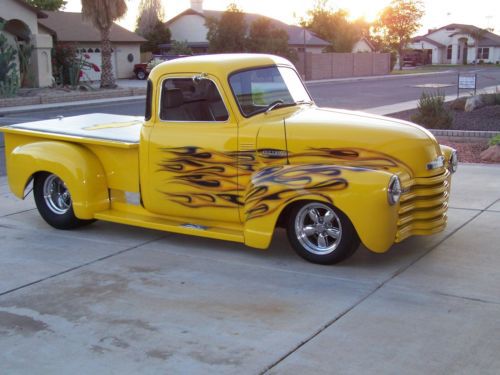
193, 165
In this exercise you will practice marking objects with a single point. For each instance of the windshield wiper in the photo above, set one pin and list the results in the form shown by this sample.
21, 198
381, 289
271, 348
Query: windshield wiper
277, 104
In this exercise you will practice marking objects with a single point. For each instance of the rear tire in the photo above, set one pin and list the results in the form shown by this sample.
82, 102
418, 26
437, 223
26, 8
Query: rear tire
321, 233
54, 203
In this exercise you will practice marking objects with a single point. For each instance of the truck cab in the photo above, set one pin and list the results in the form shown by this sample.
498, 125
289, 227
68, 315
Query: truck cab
231, 147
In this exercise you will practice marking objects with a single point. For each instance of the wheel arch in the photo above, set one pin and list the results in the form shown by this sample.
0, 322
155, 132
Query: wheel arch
362, 198
77, 166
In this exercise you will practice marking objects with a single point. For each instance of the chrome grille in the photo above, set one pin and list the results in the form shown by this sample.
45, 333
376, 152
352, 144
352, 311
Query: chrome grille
423, 206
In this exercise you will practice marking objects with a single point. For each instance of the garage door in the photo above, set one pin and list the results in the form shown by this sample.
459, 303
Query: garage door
94, 55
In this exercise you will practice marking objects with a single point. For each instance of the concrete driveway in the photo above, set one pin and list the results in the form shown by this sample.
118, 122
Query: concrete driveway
114, 299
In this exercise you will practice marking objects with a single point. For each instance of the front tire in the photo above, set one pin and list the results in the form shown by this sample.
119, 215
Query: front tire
141, 74
321, 233
53, 201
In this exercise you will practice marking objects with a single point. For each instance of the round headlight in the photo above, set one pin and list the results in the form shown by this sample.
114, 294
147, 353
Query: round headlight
453, 162
394, 190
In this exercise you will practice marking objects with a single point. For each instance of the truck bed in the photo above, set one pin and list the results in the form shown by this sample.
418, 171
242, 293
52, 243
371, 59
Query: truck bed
96, 126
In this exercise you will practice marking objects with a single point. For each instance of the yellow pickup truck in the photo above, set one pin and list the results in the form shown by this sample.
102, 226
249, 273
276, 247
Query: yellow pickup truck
231, 147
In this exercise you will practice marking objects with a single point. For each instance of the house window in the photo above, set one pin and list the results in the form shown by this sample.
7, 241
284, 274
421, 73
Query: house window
458, 52
448, 52
483, 53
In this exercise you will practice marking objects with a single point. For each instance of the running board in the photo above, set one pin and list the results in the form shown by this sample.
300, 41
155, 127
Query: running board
182, 227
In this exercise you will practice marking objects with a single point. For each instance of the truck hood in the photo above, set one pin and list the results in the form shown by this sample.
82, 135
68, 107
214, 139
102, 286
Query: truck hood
360, 139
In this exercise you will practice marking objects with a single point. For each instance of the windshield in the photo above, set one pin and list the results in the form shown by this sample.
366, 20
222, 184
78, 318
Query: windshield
262, 89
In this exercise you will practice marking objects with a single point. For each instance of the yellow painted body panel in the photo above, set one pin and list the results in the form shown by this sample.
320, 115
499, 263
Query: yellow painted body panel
79, 168
233, 179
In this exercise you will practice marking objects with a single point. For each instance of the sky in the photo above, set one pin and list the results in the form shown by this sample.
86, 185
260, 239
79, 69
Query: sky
438, 13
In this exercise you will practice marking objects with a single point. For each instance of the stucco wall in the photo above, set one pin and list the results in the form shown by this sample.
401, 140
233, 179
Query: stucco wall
125, 68
189, 27
361, 46
456, 39
12, 10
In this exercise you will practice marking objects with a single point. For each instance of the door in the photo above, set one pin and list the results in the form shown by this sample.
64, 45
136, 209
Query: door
193, 159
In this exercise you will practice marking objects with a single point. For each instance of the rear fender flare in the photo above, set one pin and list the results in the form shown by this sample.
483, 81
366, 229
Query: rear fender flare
78, 167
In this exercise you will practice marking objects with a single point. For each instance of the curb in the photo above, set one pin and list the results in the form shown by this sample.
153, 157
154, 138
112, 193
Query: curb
464, 135
367, 78
8, 110
71, 96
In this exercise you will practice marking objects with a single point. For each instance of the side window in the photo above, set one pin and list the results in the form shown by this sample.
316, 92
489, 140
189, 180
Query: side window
186, 99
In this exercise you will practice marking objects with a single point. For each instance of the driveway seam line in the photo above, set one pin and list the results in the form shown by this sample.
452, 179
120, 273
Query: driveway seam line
393, 276
466, 298
18, 212
78, 267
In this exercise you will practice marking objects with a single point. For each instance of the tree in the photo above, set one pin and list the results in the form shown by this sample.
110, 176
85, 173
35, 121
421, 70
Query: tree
334, 27
477, 34
9, 82
264, 37
398, 22
102, 14
160, 34
48, 4
180, 48
150, 12
228, 34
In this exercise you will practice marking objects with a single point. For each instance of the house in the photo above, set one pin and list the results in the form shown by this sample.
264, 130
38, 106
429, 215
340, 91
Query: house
454, 44
70, 28
363, 45
21, 27
190, 26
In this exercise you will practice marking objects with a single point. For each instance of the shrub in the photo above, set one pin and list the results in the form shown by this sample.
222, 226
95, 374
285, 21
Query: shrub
495, 140
9, 82
70, 65
432, 113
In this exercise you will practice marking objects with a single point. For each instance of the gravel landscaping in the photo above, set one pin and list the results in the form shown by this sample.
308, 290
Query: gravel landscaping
486, 118
482, 119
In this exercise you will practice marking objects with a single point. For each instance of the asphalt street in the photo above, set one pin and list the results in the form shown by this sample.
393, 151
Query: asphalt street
363, 94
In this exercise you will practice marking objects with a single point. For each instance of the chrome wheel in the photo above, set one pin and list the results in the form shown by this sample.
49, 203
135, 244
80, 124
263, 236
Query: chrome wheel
318, 228
56, 195
141, 75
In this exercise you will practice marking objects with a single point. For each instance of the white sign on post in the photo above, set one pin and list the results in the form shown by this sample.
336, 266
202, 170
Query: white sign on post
467, 81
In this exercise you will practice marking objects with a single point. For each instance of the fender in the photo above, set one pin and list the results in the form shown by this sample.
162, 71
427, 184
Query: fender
79, 168
360, 193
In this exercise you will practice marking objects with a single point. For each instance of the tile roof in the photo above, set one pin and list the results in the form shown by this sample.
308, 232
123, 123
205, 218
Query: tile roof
418, 39
70, 27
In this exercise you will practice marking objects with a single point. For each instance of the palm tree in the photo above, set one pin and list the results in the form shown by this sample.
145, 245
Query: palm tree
477, 34
102, 14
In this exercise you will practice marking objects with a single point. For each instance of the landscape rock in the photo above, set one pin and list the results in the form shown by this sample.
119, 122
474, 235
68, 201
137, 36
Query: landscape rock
472, 103
491, 154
